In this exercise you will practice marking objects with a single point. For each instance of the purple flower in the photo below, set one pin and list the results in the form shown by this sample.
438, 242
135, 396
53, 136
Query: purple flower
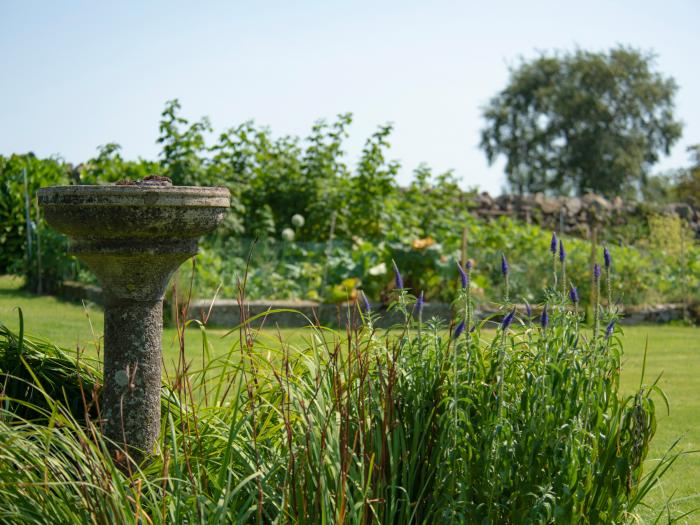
398, 280
544, 318
508, 319
419, 304
504, 265
596, 271
528, 310
573, 295
458, 331
469, 264
463, 276
607, 258
562, 251
609, 329
365, 303
553, 244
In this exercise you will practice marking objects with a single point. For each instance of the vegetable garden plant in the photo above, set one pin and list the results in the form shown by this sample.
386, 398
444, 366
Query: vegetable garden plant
421, 423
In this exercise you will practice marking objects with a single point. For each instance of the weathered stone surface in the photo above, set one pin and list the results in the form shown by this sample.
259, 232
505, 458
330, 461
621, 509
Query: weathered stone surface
575, 214
226, 313
130, 405
573, 205
133, 236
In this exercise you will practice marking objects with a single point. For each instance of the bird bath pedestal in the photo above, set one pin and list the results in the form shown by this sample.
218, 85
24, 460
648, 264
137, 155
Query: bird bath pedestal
133, 237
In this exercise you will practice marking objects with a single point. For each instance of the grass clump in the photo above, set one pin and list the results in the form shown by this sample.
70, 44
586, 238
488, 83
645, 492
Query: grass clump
423, 423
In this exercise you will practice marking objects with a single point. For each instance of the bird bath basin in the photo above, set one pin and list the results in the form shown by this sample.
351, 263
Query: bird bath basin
133, 237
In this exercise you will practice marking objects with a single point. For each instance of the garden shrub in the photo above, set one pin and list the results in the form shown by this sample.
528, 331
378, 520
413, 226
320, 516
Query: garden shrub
422, 423
14, 197
355, 221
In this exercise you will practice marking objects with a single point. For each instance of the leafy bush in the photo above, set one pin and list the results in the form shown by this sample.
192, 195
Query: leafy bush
44, 263
355, 221
415, 425
646, 273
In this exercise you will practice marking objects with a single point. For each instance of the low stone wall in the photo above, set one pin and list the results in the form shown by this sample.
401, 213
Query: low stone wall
75, 291
296, 314
226, 313
575, 214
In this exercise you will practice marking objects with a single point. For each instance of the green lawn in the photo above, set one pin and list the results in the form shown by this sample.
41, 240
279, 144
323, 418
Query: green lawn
674, 351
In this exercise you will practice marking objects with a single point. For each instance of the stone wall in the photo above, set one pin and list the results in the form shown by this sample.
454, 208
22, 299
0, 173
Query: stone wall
573, 215
294, 314
226, 313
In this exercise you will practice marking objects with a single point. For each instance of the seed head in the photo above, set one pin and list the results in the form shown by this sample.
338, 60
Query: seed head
544, 318
609, 329
463, 275
573, 295
553, 244
508, 319
288, 234
398, 280
607, 258
459, 330
365, 303
419, 304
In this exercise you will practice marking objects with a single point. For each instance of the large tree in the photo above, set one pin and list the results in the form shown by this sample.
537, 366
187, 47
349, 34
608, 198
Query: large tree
688, 188
582, 121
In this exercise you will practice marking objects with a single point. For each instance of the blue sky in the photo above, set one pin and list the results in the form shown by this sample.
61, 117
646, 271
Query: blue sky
74, 75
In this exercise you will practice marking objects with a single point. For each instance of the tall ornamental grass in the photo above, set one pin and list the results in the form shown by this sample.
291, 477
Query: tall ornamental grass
516, 418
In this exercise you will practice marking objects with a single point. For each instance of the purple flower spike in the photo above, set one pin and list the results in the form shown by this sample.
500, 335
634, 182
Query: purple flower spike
607, 258
528, 310
463, 276
553, 244
573, 295
398, 280
609, 329
419, 304
504, 265
562, 251
365, 303
544, 318
469, 264
508, 319
459, 330
596, 271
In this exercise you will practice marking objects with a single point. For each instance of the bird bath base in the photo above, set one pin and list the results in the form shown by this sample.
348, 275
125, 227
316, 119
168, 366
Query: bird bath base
133, 237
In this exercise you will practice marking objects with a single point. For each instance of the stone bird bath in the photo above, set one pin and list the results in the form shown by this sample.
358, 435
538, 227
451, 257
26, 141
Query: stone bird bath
133, 237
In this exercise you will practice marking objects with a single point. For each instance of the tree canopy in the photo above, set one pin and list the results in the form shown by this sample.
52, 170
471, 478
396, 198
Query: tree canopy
582, 121
688, 188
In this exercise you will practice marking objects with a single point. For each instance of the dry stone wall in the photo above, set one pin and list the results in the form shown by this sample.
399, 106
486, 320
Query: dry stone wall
574, 215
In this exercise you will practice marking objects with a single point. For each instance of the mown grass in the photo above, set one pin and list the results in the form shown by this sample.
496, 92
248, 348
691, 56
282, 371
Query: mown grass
673, 351
72, 325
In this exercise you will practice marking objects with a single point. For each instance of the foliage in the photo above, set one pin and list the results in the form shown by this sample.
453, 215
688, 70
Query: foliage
43, 262
650, 272
320, 222
688, 187
582, 121
109, 166
183, 146
415, 425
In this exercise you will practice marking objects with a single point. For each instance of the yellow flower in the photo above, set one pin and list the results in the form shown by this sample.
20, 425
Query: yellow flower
421, 244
